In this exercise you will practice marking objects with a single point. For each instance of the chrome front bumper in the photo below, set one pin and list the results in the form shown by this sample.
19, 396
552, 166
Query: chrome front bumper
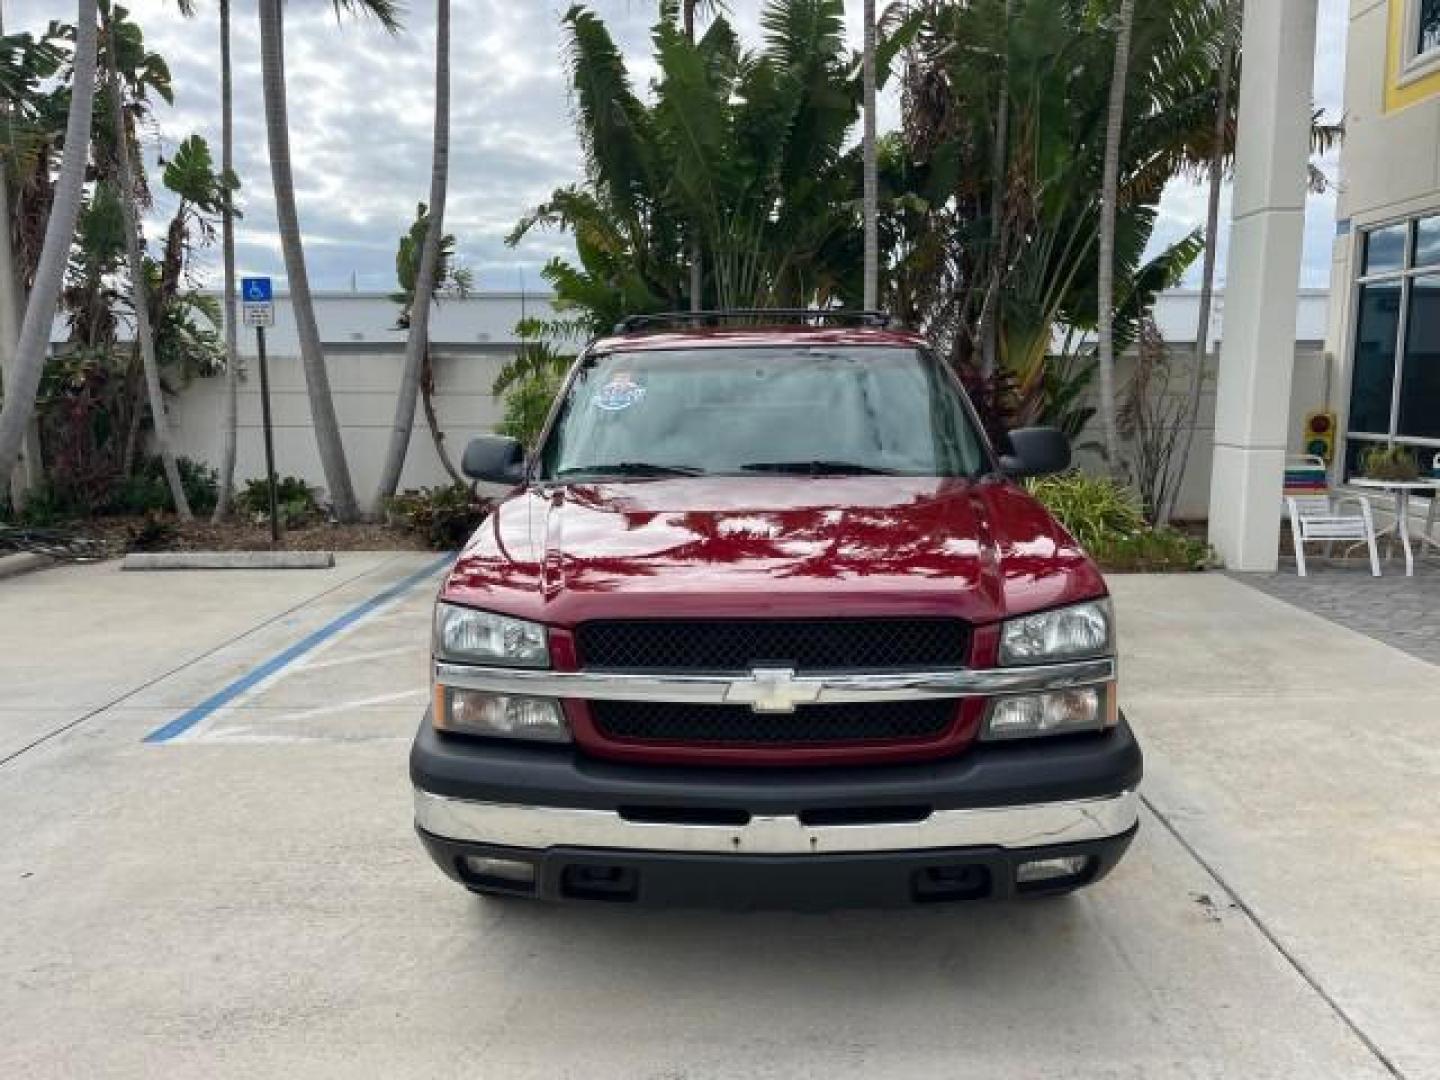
542, 827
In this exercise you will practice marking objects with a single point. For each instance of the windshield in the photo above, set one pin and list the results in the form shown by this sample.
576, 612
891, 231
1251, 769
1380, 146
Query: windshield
827, 410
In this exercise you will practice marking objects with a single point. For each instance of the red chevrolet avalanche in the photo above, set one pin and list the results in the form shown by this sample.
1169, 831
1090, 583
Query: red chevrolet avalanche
766, 619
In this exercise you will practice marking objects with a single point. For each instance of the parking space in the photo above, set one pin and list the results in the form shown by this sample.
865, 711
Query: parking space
207, 868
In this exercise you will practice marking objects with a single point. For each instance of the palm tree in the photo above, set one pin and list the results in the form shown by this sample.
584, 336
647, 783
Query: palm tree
317, 379
1216, 180
871, 196
230, 418
1109, 195
34, 339
139, 292
445, 274
697, 256
747, 149
12, 308
418, 341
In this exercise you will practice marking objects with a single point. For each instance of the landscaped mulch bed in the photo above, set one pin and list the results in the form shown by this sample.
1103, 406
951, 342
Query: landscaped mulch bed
122, 534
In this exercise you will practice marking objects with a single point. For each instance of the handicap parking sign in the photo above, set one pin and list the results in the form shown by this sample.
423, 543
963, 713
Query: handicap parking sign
257, 301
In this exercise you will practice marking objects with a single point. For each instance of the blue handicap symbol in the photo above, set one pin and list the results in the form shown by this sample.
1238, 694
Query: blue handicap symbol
256, 290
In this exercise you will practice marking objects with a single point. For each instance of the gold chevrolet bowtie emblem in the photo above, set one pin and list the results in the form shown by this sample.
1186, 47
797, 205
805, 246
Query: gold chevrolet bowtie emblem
772, 690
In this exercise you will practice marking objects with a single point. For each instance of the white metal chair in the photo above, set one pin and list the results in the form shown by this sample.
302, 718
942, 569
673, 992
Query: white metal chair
1434, 514
1316, 511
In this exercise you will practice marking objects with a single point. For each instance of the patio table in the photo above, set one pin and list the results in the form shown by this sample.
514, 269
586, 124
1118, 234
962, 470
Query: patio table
1403, 489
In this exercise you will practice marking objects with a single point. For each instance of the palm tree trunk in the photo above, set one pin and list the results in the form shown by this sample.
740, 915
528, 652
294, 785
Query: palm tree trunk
12, 310
697, 257
1109, 195
139, 290
230, 419
989, 330
317, 379
871, 193
34, 340
418, 342
1207, 282
427, 395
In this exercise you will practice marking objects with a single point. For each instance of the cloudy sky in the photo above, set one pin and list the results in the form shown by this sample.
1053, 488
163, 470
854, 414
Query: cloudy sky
360, 112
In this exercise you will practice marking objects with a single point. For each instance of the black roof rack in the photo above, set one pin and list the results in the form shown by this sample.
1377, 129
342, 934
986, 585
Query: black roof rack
804, 316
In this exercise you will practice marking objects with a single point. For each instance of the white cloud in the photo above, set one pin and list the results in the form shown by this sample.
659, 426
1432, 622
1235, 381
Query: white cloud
360, 111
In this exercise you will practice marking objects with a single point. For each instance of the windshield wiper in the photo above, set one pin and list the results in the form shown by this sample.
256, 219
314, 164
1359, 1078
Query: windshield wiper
818, 468
634, 468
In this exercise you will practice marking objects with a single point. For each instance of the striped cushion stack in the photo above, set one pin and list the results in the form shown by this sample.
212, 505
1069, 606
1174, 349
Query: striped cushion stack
1305, 481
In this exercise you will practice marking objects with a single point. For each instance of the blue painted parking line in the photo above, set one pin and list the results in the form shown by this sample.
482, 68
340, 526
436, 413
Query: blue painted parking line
188, 719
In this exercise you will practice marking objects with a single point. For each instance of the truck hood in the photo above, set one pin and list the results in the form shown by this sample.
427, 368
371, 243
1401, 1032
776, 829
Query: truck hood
774, 546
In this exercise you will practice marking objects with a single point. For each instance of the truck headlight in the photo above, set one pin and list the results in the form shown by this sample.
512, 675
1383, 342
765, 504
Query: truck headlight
1068, 633
467, 636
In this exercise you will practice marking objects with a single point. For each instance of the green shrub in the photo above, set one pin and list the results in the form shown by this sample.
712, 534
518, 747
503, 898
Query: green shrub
1106, 519
201, 484
45, 505
143, 493
1389, 463
445, 516
527, 404
294, 498
1093, 509
1153, 550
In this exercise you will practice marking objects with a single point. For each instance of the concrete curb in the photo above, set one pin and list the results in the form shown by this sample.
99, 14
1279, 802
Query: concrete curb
229, 560
22, 563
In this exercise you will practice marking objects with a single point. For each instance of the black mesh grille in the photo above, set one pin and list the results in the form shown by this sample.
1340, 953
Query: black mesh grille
656, 721
737, 645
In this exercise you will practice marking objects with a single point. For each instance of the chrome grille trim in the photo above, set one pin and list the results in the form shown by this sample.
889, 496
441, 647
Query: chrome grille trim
828, 688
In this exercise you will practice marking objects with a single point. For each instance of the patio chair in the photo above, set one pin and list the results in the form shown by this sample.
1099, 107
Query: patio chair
1434, 514
1317, 512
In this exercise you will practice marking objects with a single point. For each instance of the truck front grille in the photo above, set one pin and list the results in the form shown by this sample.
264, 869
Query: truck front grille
723, 646
808, 725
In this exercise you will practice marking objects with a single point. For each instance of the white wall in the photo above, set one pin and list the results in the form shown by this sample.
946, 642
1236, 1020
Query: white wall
473, 338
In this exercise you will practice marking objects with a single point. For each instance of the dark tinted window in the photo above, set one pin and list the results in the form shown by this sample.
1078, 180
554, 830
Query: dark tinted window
1427, 242
740, 410
1375, 342
1429, 26
1385, 249
1420, 376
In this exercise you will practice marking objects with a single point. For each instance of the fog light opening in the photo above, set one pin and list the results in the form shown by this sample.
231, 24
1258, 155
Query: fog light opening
1047, 873
502, 873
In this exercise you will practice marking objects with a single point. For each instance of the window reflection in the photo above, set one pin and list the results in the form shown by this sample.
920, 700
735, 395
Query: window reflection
1420, 378
1427, 242
1385, 249
1376, 338
1429, 27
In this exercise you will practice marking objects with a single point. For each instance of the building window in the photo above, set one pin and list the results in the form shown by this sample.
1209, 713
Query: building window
1395, 363
1428, 39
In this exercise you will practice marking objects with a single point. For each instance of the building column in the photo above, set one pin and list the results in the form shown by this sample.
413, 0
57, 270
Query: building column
1262, 279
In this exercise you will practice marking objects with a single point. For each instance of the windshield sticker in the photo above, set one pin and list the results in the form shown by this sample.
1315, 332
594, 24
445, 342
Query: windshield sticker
620, 392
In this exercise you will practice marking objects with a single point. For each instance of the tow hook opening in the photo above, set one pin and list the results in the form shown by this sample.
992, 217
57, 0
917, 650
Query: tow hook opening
942, 884
599, 882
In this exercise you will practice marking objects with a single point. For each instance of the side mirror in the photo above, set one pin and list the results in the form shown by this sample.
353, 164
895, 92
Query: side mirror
1036, 451
495, 459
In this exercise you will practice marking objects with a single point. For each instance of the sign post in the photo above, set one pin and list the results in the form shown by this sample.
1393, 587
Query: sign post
257, 302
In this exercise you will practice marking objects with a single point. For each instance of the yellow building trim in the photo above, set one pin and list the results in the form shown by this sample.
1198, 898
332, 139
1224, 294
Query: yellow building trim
1422, 89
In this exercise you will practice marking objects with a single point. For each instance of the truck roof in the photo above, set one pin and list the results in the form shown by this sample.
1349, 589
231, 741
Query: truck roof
757, 337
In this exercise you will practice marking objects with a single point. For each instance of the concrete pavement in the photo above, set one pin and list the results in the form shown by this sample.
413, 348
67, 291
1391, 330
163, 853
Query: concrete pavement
246, 898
